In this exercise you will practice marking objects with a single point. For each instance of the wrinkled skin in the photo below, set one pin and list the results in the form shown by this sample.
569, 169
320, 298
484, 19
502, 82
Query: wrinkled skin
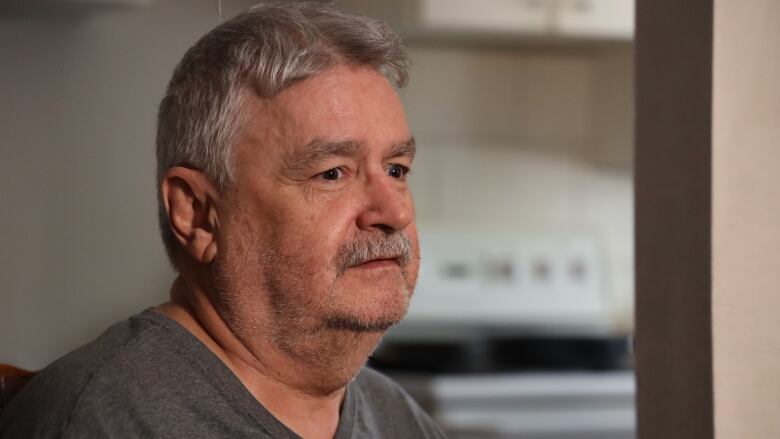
292, 219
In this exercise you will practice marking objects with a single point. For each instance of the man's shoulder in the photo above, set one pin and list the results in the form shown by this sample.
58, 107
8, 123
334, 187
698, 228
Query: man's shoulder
91, 376
127, 338
124, 347
389, 411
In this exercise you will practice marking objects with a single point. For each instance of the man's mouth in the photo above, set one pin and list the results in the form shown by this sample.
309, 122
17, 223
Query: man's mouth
387, 262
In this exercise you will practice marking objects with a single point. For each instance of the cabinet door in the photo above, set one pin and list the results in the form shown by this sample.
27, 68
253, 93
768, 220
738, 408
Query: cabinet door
531, 16
595, 18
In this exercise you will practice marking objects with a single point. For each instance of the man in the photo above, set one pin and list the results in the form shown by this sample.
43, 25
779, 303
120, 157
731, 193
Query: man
283, 153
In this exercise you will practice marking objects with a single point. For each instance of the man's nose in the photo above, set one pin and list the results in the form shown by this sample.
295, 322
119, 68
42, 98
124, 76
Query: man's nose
388, 206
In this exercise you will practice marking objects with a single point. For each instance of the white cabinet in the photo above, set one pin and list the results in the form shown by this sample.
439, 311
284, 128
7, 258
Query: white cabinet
595, 18
480, 15
558, 19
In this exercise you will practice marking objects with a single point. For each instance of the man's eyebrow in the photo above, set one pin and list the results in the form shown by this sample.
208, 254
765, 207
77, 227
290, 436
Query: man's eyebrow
318, 150
407, 148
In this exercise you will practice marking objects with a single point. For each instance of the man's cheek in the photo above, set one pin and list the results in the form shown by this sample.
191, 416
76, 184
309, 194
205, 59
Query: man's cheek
412, 270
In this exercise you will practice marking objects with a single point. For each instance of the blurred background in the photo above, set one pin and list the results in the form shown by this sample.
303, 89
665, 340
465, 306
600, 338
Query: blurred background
523, 115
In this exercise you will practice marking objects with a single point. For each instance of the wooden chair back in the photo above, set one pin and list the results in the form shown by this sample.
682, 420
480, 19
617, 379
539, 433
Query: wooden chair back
12, 379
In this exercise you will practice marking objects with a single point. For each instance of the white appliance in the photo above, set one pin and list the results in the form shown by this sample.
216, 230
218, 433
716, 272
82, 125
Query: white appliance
551, 283
530, 406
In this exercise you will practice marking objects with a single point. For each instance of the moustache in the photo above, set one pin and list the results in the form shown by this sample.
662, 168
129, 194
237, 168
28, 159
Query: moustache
370, 247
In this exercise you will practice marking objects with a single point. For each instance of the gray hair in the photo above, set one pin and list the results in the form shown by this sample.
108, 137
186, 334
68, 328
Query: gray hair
258, 54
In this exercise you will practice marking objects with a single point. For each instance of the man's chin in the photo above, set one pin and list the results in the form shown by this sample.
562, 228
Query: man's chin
365, 309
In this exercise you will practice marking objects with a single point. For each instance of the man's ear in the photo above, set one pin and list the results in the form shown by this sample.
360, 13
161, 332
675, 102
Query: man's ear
190, 201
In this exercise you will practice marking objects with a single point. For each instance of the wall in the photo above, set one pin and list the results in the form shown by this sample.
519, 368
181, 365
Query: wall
708, 336
78, 229
746, 216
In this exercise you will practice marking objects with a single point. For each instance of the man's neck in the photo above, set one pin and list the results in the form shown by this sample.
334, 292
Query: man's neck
310, 414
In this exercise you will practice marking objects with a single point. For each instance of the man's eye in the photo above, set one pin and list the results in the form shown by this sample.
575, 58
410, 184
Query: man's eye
397, 171
332, 174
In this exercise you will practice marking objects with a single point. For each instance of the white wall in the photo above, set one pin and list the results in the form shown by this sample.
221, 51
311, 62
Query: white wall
78, 93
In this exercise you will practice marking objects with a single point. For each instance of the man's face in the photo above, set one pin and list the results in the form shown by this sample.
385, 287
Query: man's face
317, 231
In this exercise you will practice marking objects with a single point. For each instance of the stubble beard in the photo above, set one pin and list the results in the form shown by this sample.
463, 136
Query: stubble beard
267, 297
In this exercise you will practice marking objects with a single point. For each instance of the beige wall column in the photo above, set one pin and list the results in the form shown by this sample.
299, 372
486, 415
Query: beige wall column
708, 219
746, 219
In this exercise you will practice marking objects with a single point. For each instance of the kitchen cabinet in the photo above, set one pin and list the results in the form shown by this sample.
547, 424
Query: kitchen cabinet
595, 18
531, 16
565, 20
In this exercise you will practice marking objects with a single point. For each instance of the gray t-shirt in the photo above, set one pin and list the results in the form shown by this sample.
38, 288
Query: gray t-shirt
149, 377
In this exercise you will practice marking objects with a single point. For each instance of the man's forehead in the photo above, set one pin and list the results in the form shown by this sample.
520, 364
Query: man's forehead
311, 119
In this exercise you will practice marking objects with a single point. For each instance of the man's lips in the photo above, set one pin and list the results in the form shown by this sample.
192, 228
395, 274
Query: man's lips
378, 263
